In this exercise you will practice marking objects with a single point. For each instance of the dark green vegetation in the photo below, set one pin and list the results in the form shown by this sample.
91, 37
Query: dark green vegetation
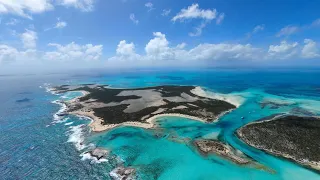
114, 105
293, 137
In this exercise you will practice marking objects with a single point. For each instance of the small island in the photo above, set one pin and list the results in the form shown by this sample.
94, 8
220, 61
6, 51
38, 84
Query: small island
292, 137
111, 107
207, 147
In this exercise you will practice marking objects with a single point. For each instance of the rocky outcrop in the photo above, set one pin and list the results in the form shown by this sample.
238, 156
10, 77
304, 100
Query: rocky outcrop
122, 173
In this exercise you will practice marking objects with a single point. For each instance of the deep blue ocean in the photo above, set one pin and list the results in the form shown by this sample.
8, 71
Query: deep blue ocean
36, 145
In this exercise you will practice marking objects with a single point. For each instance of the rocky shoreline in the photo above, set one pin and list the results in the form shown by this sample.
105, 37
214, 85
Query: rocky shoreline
292, 137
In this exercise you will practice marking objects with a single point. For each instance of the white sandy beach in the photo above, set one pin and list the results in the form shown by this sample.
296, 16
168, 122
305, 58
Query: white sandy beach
232, 99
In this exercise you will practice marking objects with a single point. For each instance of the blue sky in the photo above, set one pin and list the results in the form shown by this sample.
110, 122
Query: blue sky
135, 33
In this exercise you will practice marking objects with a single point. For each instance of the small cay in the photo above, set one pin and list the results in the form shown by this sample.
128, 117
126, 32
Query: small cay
110, 108
292, 137
216, 147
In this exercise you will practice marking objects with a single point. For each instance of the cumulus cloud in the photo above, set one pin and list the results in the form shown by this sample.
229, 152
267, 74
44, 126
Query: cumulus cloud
83, 5
29, 39
125, 48
74, 52
166, 12
133, 18
284, 50
193, 12
24, 8
287, 31
7, 53
310, 49
158, 51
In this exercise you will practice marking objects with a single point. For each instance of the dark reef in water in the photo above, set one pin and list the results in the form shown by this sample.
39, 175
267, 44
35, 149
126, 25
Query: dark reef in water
23, 100
292, 137
116, 106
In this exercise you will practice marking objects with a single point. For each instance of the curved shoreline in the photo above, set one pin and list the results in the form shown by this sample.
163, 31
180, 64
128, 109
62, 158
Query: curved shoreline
310, 164
96, 123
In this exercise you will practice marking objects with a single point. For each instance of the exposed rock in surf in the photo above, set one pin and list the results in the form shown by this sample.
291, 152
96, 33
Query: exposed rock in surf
99, 153
122, 173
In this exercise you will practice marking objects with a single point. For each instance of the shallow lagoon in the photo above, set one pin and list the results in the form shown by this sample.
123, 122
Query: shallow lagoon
167, 151
35, 146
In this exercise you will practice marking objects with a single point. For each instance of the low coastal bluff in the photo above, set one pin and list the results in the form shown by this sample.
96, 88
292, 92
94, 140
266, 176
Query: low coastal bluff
110, 107
292, 137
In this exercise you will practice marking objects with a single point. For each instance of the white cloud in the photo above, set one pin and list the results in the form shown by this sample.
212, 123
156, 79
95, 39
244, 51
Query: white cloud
24, 8
133, 18
166, 12
287, 31
316, 22
61, 24
181, 46
198, 30
158, 51
125, 48
157, 45
220, 18
7, 53
310, 49
193, 12
74, 52
284, 50
29, 39
83, 5
255, 30
149, 5
258, 28
12, 22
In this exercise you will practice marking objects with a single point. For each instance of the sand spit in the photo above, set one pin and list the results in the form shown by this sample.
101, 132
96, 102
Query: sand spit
232, 99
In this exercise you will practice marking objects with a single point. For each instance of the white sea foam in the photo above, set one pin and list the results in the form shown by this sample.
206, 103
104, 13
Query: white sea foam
236, 100
76, 136
63, 109
68, 124
87, 156
120, 173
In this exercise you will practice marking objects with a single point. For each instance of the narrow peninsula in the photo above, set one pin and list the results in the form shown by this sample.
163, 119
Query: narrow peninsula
292, 137
110, 107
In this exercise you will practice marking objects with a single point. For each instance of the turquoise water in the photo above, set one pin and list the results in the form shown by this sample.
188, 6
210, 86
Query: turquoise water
34, 145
